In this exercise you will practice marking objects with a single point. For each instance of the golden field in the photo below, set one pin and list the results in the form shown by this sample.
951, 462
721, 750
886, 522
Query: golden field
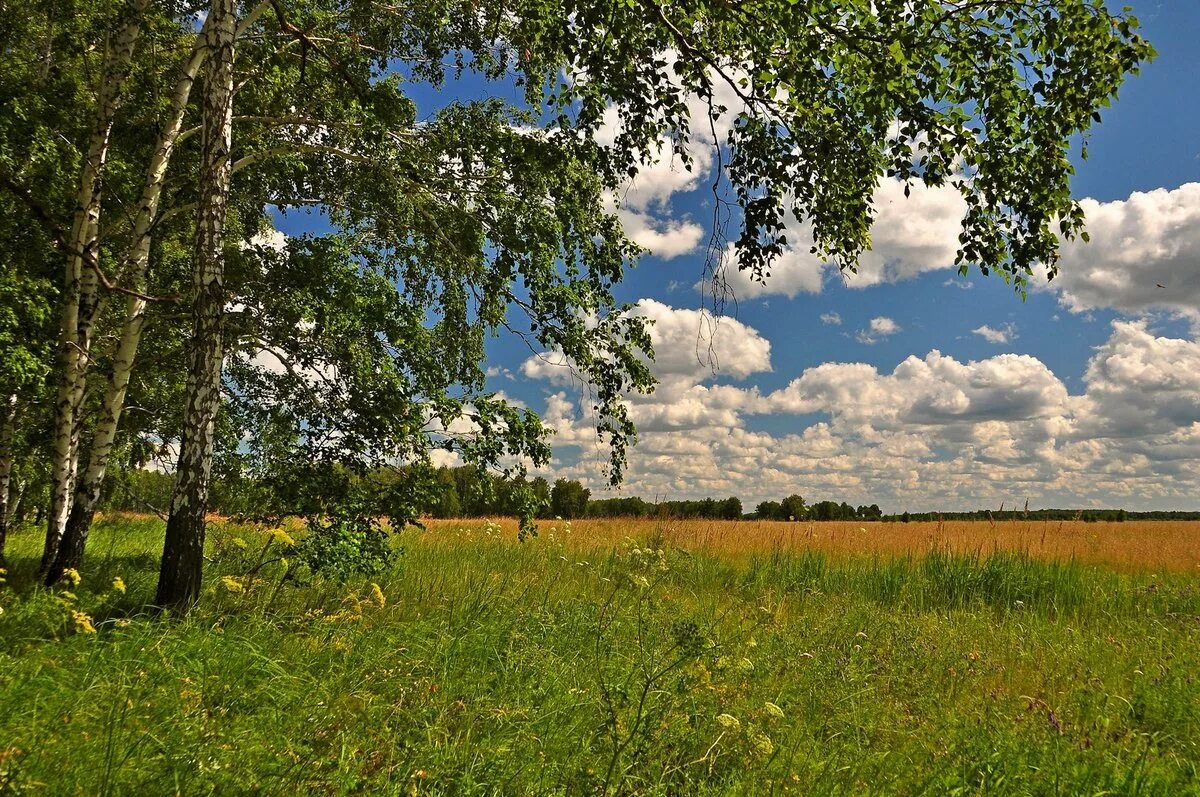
1130, 546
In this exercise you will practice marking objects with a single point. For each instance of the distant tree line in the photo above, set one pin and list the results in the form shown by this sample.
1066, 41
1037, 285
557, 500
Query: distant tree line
707, 508
794, 508
466, 491
469, 491
1086, 515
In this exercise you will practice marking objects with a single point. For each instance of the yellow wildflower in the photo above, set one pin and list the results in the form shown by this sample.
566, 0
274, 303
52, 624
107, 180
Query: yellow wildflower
83, 623
72, 575
377, 594
773, 710
728, 721
119, 584
232, 584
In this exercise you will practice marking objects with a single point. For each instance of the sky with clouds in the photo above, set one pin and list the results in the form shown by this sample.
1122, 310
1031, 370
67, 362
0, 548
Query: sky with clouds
906, 384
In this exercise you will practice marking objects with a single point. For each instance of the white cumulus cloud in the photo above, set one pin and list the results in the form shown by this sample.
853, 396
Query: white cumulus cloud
933, 432
910, 235
1144, 254
1002, 334
880, 327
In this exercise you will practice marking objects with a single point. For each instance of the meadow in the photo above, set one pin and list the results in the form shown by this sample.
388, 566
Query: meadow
615, 657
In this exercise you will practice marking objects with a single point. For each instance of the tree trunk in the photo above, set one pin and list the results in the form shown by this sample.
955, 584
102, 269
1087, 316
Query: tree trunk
87, 491
16, 502
89, 486
80, 283
183, 549
8, 427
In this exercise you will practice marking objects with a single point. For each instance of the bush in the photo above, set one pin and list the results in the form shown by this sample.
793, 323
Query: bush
342, 548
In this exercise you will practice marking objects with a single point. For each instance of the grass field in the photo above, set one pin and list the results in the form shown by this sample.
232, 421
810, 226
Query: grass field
623, 658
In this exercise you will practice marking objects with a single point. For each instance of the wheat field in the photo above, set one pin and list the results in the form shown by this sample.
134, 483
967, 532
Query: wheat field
1132, 546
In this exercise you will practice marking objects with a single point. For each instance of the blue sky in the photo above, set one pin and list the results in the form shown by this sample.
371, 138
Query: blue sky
907, 385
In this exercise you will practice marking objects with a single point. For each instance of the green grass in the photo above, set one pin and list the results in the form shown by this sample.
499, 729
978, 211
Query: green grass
498, 668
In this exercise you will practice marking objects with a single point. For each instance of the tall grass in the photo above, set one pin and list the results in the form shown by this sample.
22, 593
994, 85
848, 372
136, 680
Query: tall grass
629, 664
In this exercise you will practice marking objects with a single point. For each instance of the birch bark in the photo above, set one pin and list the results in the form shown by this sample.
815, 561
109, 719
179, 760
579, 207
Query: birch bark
8, 427
87, 491
137, 263
183, 549
80, 282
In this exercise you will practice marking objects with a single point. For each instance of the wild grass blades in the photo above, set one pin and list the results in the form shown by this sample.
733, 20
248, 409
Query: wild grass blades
618, 659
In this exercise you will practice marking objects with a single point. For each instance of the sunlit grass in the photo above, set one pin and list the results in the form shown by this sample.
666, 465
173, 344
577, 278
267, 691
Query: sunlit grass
628, 658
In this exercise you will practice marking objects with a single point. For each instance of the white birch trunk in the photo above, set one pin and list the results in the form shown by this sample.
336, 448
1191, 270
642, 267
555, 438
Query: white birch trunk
87, 490
136, 265
183, 549
8, 428
80, 283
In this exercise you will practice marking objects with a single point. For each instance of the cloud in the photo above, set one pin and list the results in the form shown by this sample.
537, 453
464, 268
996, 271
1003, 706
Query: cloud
694, 344
690, 347
911, 235
270, 238
1003, 334
831, 319
1140, 383
793, 272
1144, 254
932, 432
880, 327
936, 389
643, 203
665, 237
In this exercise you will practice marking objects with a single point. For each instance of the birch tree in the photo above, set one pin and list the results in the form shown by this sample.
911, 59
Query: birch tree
830, 98
183, 551
135, 268
81, 296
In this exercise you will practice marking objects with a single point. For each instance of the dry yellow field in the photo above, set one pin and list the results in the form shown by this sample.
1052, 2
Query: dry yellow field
1129, 546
